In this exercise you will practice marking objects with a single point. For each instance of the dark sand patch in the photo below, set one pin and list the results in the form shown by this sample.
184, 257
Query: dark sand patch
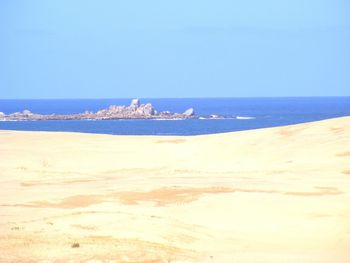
337, 130
91, 228
167, 195
176, 141
73, 181
343, 154
91, 249
289, 131
70, 202
315, 215
321, 192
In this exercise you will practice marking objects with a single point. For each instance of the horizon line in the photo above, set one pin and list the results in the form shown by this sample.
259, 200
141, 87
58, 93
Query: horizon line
219, 97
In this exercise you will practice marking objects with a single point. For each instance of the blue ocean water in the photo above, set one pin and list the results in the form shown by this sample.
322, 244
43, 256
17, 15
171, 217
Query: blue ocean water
265, 112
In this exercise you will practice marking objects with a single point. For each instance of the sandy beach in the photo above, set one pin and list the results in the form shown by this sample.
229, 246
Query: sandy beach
270, 195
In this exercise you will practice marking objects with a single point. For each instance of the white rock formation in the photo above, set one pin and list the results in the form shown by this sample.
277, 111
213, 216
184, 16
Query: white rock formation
189, 112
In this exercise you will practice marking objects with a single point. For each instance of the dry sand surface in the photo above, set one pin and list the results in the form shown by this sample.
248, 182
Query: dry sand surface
271, 195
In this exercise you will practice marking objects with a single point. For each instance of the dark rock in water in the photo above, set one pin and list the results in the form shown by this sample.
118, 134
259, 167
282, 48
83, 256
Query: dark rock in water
189, 112
216, 116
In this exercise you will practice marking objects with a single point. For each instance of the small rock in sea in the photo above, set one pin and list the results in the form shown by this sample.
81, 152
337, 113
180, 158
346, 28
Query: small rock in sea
215, 116
189, 112
75, 245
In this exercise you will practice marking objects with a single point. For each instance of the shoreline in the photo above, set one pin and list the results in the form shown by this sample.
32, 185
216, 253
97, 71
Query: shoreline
151, 135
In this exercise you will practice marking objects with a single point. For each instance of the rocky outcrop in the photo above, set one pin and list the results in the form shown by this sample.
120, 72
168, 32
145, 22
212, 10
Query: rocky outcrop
135, 110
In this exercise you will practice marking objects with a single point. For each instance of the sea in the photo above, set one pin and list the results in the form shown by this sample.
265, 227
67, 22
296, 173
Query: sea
240, 114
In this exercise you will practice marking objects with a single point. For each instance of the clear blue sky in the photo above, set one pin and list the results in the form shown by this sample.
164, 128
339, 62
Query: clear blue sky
178, 48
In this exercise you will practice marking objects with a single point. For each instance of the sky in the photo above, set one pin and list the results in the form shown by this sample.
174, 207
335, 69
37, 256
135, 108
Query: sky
174, 49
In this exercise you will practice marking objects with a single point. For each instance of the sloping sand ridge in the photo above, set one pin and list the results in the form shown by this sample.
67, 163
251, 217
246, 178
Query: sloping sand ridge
270, 195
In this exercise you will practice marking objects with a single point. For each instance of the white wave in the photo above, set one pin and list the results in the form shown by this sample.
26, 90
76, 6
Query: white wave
9, 120
244, 118
165, 119
217, 118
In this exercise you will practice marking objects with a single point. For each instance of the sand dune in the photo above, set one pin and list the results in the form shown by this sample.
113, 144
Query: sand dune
270, 195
